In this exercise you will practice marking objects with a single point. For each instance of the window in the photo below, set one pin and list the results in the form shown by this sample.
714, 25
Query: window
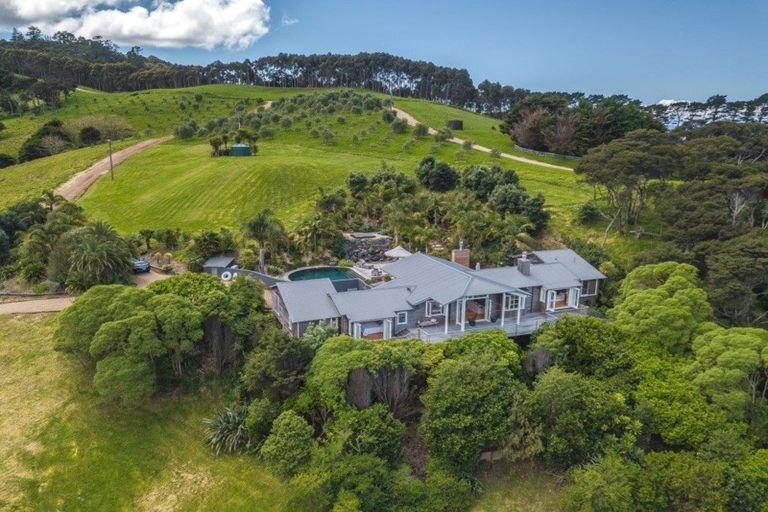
512, 302
402, 318
434, 308
589, 287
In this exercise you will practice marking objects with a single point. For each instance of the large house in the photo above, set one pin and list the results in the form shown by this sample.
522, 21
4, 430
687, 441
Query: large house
434, 299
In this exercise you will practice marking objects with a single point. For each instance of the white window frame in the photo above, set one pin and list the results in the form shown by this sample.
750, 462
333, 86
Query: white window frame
518, 302
397, 318
434, 308
585, 288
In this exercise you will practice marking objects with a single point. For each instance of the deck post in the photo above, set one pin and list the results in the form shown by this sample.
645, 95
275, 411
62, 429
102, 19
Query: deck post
447, 314
463, 312
503, 307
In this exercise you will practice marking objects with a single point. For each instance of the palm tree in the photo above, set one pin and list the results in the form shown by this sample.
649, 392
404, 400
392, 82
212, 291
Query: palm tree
268, 231
99, 257
147, 235
215, 143
51, 199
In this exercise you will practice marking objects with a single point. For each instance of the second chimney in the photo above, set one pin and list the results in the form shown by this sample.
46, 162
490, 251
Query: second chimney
524, 264
460, 255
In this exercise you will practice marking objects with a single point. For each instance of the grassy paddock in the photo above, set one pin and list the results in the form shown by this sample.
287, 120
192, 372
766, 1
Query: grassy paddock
483, 130
519, 488
150, 113
178, 184
28, 180
65, 452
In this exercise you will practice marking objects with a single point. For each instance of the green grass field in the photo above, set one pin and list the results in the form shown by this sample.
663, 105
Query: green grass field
179, 185
149, 113
28, 180
63, 451
478, 128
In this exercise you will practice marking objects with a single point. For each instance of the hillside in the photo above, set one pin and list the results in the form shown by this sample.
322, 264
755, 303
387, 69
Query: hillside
182, 186
149, 113
285, 175
480, 129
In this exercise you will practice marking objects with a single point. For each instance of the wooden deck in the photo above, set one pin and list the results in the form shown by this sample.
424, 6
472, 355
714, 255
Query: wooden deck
528, 323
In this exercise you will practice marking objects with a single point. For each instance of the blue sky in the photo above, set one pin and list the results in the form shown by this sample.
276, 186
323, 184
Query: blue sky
650, 50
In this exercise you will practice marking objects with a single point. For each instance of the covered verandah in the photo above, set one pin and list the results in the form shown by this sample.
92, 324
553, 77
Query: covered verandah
501, 309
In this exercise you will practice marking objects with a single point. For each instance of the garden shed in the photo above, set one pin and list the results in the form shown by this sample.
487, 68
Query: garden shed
455, 124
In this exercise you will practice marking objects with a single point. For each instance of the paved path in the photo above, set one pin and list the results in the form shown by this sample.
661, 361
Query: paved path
79, 183
408, 118
59, 303
36, 306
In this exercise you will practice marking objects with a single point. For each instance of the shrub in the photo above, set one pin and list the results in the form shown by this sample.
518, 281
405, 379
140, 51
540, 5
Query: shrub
436, 176
443, 134
420, 130
466, 145
341, 119
314, 133
495, 154
587, 212
388, 116
316, 334
185, 130
89, 136
399, 126
261, 413
286, 123
467, 409
6, 160
372, 431
289, 444
33, 272
227, 431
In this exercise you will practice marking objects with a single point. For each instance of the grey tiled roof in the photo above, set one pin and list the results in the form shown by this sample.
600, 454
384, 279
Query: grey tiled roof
577, 265
441, 280
372, 304
308, 300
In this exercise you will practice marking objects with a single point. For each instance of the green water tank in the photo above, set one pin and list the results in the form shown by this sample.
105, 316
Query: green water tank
240, 150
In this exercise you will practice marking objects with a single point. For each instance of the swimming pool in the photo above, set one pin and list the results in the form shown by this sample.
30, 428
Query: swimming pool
332, 273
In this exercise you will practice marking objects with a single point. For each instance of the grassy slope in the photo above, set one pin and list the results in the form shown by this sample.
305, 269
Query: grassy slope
67, 453
131, 206
28, 180
520, 488
180, 185
150, 113
483, 130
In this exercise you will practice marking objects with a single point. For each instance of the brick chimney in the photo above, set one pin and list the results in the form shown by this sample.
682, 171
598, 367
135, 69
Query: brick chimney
524, 264
460, 255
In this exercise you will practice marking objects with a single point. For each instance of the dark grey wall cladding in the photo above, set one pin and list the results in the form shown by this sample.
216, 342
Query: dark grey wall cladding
228, 273
345, 285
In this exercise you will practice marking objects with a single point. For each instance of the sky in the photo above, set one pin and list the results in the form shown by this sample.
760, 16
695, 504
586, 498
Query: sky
651, 49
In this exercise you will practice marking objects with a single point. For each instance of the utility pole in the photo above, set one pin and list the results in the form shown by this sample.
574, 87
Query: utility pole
111, 167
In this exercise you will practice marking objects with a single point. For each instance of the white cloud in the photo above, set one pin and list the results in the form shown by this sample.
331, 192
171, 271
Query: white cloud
34, 11
234, 24
287, 21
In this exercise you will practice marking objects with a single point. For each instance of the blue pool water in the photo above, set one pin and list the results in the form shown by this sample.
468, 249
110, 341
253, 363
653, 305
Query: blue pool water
332, 273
